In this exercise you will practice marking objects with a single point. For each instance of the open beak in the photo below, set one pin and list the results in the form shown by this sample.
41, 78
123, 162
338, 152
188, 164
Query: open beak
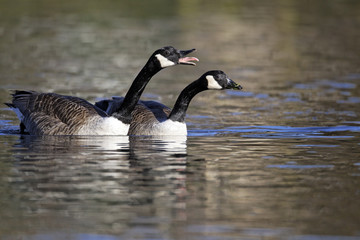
187, 60
233, 85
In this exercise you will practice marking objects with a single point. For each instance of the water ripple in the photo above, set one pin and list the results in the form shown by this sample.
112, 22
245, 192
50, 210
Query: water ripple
281, 131
291, 166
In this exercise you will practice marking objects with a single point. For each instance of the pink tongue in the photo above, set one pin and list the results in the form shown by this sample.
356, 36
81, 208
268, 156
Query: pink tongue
188, 59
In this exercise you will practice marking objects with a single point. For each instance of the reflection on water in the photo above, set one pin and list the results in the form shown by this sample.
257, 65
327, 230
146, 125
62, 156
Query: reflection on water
145, 188
279, 160
282, 131
94, 181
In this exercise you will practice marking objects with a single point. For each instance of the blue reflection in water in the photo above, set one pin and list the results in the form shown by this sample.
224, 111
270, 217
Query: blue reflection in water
325, 83
350, 100
318, 145
291, 166
279, 131
322, 237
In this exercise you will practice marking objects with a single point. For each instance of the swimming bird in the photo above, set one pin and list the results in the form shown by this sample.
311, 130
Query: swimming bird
54, 114
153, 118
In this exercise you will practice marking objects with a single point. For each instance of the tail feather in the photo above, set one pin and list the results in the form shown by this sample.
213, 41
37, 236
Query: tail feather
21, 99
10, 105
18, 113
20, 104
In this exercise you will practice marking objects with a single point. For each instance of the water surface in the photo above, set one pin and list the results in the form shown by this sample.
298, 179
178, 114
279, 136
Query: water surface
279, 160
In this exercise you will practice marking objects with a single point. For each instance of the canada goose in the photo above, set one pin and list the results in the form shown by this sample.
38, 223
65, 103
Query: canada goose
54, 114
153, 118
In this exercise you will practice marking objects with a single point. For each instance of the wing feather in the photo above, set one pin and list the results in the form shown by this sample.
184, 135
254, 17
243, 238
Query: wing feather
53, 114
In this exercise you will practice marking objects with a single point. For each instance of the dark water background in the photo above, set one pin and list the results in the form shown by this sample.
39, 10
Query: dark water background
279, 160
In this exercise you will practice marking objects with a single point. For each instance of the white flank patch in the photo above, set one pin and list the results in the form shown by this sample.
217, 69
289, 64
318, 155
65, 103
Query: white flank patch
104, 126
169, 127
164, 62
212, 83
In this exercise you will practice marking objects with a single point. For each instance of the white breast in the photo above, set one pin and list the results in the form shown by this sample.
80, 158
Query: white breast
169, 127
104, 126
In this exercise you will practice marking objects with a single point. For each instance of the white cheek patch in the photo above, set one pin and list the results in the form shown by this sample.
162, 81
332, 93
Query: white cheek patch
212, 83
164, 62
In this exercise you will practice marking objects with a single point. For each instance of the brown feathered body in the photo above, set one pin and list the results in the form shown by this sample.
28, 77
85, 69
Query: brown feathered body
54, 114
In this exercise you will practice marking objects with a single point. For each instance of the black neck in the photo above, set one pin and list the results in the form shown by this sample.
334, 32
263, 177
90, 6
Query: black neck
136, 89
178, 113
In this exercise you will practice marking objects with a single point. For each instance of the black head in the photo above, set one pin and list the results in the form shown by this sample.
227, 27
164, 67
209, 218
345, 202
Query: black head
170, 56
218, 80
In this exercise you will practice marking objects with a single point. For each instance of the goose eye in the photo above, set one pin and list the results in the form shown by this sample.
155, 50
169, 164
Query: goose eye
166, 53
222, 77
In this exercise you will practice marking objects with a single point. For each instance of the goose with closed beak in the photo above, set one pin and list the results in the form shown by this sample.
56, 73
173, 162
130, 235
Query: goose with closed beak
153, 118
54, 114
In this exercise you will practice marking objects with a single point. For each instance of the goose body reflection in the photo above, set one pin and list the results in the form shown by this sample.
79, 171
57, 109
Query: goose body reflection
105, 169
